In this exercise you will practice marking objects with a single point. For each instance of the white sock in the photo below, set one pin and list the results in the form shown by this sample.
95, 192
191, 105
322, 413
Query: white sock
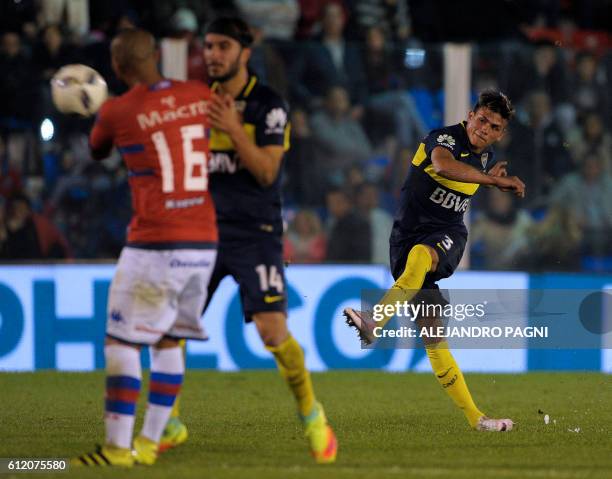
167, 369
123, 374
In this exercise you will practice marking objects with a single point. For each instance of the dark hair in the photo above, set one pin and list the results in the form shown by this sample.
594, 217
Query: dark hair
497, 102
585, 54
17, 197
232, 27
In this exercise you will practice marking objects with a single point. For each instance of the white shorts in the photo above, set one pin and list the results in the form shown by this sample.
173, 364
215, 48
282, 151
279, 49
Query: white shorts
159, 292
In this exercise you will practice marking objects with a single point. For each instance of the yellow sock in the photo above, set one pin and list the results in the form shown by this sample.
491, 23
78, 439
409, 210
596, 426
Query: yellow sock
175, 407
290, 360
451, 379
411, 280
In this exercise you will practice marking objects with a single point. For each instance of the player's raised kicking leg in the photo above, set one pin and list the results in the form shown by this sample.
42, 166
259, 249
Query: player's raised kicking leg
421, 260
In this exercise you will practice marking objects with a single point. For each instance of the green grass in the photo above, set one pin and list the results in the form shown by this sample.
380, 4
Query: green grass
243, 425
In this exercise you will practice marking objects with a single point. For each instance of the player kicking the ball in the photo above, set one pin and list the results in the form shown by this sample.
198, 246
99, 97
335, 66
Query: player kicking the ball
429, 236
160, 285
249, 138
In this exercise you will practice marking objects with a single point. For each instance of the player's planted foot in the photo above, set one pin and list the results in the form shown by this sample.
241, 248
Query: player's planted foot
145, 451
105, 456
174, 434
362, 323
320, 435
494, 425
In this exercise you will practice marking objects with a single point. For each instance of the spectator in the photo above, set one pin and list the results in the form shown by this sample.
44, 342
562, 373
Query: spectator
349, 237
10, 179
184, 26
539, 156
305, 179
17, 82
267, 63
10, 182
354, 178
553, 243
387, 94
501, 231
276, 18
390, 16
52, 52
311, 12
328, 62
72, 176
544, 71
590, 90
305, 240
381, 222
340, 137
19, 101
32, 236
593, 141
588, 194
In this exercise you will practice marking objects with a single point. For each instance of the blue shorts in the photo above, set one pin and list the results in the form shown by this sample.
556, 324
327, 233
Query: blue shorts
449, 244
256, 264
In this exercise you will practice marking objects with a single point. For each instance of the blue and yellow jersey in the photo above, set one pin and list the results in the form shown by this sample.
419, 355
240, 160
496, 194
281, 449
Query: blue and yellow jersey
242, 204
428, 201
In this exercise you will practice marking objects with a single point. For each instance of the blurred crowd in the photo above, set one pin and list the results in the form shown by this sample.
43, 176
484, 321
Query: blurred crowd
364, 88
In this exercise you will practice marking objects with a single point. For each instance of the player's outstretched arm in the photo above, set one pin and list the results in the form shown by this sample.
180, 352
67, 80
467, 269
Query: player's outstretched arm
263, 162
512, 184
499, 169
445, 165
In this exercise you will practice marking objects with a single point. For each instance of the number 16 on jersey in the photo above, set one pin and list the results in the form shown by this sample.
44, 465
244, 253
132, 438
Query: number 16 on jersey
191, 160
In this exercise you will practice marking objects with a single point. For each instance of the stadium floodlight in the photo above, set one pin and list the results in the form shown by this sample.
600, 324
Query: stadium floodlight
414, 58
47, 130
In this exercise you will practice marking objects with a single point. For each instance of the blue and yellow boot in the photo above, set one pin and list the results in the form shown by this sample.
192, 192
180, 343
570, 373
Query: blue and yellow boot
321, 438
174, 434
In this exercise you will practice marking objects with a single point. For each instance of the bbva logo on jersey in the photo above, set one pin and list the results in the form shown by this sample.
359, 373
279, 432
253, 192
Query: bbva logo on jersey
449, 200
276, 119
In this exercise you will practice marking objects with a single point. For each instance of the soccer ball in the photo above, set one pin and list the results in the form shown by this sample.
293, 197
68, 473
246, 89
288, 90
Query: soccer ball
78, 89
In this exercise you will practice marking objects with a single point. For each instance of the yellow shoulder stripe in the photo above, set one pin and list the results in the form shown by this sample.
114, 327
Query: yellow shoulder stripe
420, 155
286, 142
250, 86
221, 141
465, 188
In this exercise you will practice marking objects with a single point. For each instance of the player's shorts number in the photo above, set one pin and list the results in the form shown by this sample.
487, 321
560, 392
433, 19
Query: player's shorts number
269, 277
191, 159
447, 243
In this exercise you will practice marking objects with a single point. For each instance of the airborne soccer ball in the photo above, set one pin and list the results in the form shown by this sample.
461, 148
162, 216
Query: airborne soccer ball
78, 89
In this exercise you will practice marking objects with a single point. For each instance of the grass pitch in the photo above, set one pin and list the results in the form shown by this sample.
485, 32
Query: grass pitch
243, 425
